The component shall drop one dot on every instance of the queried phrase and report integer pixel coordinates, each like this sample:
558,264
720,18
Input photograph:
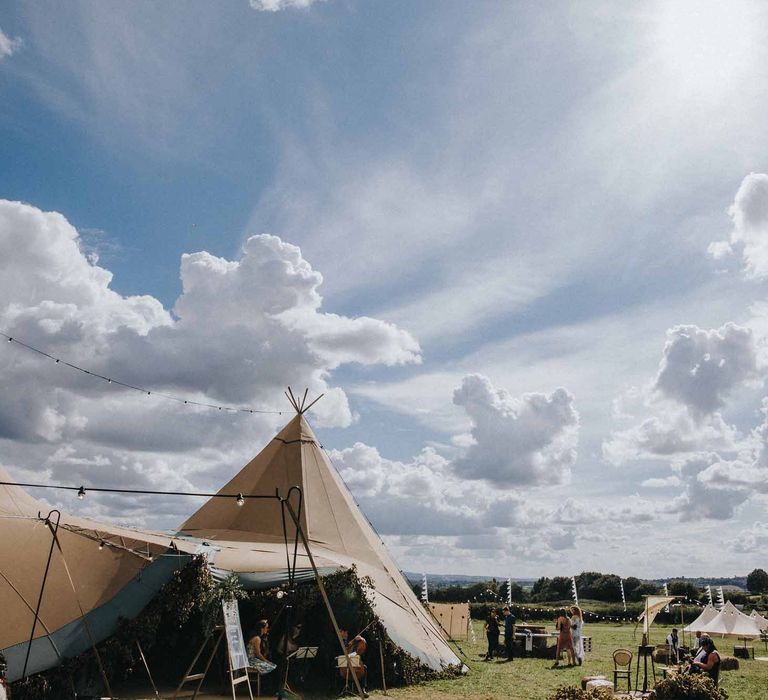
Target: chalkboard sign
235,641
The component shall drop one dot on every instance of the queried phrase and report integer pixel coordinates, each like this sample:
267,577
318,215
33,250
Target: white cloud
422,496
703,497
749,238
277,5
672,432
699,368
753,540
698,371
517,441
8,46
656,483
241,331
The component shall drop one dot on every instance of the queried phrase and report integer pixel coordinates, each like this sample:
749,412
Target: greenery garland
188,607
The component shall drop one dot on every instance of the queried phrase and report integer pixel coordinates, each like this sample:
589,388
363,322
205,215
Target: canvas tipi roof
89,588
731,622
251,541
85,584
708,614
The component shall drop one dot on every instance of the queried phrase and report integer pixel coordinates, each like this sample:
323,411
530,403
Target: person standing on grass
577,623
509,632
673,642
564,638
492,634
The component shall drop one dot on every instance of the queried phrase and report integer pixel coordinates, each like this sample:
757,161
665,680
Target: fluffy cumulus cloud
277,5
422,496
714,468
240,331
517,441
699,370
699,367
707,491
671,433
749,238
753,540
426,513
8,46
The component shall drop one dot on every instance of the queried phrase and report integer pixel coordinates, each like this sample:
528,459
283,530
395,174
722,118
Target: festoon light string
143,390
104,539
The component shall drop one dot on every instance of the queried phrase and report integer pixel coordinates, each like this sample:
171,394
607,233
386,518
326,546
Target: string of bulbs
81,492
142,390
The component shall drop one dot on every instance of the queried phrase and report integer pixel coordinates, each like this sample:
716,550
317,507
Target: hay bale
729,663
586,680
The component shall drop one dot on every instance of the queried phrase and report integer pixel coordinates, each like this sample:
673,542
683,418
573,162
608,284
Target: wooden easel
234,680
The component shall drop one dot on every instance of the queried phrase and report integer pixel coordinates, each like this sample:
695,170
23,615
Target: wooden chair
622,668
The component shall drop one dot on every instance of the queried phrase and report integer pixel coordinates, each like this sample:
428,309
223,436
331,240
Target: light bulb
240,500
80,493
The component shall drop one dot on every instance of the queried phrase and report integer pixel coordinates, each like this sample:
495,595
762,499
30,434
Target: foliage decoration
187,608
572,692
695,686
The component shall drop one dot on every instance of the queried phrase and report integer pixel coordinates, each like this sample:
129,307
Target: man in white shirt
673,642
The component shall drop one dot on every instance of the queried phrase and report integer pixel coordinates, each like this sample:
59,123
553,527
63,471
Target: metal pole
381,659
324,595
146,667
53,529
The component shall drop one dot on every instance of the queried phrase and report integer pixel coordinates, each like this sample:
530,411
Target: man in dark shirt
509,632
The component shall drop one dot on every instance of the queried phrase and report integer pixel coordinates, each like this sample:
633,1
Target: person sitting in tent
356,647
290,642
258,649
710,660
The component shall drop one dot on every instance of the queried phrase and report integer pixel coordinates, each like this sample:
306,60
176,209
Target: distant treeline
591,585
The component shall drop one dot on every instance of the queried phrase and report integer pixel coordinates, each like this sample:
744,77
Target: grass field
533,679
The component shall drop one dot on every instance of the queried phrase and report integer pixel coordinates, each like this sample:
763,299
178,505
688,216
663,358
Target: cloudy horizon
522,252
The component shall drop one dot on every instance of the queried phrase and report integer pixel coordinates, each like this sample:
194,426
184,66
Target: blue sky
541,232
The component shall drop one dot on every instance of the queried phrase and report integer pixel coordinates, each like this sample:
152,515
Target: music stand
301,654
304,653
355,661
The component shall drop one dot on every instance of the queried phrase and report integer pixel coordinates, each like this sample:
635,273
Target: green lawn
534,679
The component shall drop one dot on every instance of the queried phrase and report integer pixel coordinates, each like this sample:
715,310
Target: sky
522,249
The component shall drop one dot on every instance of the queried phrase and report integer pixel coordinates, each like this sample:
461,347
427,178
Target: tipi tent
250,540
706,616
762,623
98,573
731,622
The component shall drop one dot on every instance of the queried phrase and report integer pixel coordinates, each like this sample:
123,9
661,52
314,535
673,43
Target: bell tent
762,622
706,616
731,622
